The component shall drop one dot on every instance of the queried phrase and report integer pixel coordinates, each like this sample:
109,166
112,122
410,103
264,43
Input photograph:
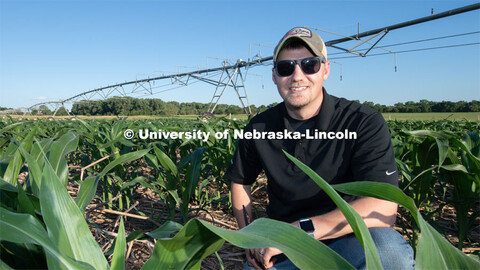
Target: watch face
307,225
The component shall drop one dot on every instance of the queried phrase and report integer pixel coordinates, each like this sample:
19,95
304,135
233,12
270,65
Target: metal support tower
233,81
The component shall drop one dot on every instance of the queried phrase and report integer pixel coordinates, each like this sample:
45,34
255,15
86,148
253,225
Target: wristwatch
306,224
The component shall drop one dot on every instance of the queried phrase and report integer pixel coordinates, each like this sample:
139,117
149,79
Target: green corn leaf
23,228
211,139
91,130
184,251
452,156
7,186
162,232
23,255
433,250
380,191
469,144
472,141
455,167
89,185
8,153
118,259
7,128
175,196
172,176
165,161
141,180
14,166
8,196
193,173
302,249
353,218
198,239
424,173
34,170
165,230
57,151
24,203
87,191
136,235
65,222
39,149
442,145
152,161
430,133
4,266
406,173
124,158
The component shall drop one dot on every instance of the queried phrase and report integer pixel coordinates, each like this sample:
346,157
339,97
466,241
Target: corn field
42,225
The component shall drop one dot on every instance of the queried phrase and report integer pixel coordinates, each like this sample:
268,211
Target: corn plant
442,159
463,173
442,154
198,239
105,138
40,212
58,234
178,182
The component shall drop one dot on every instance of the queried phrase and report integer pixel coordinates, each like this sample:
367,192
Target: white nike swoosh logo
390,173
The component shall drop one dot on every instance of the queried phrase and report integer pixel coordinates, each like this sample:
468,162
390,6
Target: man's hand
261,258
252,259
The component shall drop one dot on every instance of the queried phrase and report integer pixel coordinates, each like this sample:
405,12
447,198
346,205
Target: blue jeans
393,249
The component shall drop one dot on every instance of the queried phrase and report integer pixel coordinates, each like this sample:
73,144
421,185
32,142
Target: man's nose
298,73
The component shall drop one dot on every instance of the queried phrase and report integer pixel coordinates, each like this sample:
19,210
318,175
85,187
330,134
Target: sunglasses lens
310,65
285,67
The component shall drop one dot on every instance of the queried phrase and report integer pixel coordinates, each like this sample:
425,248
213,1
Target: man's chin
296,104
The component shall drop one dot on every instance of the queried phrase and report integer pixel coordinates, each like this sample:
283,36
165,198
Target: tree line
428,106
136,106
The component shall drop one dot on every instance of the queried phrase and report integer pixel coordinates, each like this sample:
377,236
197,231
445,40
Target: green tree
171,108
44,110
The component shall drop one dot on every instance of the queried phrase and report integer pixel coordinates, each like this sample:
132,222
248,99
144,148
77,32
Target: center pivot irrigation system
230,74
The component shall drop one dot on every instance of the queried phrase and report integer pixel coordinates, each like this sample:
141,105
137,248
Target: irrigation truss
233,74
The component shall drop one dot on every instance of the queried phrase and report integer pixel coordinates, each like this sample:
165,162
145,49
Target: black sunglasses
309,65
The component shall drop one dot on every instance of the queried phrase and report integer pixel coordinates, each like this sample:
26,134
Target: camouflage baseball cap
312,39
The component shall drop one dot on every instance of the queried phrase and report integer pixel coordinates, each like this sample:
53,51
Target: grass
460,116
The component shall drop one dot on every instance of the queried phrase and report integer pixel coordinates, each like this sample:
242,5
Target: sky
53,50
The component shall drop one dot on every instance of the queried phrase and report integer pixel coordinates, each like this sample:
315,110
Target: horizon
257,106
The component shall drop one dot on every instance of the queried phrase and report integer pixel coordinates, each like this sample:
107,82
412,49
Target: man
300,68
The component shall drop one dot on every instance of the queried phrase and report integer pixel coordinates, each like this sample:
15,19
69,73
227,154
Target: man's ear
326,70
274,79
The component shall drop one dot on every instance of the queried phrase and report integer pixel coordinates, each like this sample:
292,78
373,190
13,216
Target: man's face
301,92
